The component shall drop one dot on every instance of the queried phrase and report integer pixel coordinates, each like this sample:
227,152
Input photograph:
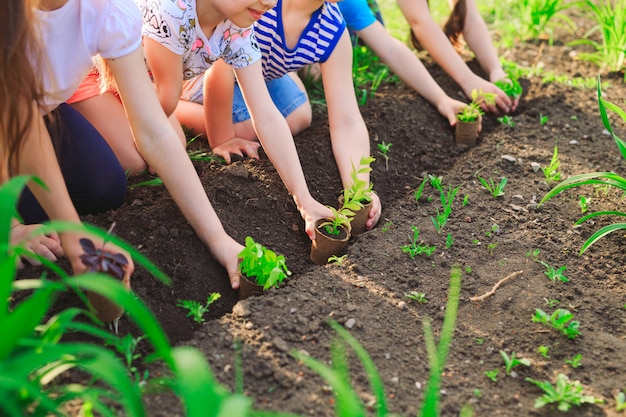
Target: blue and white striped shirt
317,42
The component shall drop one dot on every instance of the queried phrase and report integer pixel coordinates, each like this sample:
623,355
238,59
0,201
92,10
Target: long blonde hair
20,80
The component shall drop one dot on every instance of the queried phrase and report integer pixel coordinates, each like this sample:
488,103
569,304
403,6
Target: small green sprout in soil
620,401
197,310
506,120
495,189
543,119
478,393
511,362
553,273
575,361
560,320
491,247
551,172
492,375
449,241
419,297
564,393
386,226
435,181
583,203
552,302
337,259
383,149
495,229
155,182
479,340
417,248
476,241
465,200
574,118
534,255
543,351
420,189
468,270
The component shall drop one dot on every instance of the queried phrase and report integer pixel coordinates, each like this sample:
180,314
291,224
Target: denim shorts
285,93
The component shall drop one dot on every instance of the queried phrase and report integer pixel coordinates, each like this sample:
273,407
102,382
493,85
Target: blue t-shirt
357,14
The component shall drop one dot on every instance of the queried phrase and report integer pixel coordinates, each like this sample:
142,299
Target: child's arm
38,158
403,62
159,145
218,87
167,73
275,136
434,40
348,132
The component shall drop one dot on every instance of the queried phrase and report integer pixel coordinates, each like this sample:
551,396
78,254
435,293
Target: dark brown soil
368,290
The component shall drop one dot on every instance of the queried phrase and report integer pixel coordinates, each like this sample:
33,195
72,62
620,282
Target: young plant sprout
560,320
551,172
511,362
465,200
564,393
472,111
449,241
419,297
543,119
506,120
552,303
510,86
534,255
197,310
620,401
583,203
337,259
100,260
358,194
492,375
496,190
553,274
262,265
340,219
383,149
417,248
491,247
543,351
420,189
575,361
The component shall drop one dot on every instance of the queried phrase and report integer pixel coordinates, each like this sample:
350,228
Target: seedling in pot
575,361
492,375
340,219
553,274
262,265
419,297
564,393
495,189
510,86
359,191
551,172
197,310
100,260
560,320
472,111
383,149
511,362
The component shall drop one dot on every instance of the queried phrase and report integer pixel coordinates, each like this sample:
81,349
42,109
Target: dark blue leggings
93,175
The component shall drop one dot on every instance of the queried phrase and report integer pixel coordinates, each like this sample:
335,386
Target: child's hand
237,146
375,212
311,211
227,254
503,102
449,108
47,246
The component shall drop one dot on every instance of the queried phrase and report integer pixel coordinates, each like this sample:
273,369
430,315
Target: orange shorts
90,87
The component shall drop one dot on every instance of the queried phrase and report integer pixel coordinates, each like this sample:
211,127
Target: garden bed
367,291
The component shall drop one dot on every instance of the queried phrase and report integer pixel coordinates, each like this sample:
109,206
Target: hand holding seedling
48,246
311,211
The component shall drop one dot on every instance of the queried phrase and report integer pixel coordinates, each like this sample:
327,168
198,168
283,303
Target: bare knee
300,119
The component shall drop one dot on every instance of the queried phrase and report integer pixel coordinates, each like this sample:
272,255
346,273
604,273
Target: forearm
477,36
350,143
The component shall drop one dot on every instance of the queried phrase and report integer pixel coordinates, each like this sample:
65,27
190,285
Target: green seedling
340,219
495,229
506,120
262,265
465,200
383,149
197,310
417,248
468,270
575,361
479,340
449,241
359,192
583,203
420,189
472,111
476,242
478,393
553,274
511,362
552,303
534,255
551,172
420,297
491,247
386,226
510,86
496,190
620,401
543,119
560,320
564,393
337,259
155,182
435,181
543,351
492,375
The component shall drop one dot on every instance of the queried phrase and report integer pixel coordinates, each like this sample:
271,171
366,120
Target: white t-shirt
77,32
174,24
